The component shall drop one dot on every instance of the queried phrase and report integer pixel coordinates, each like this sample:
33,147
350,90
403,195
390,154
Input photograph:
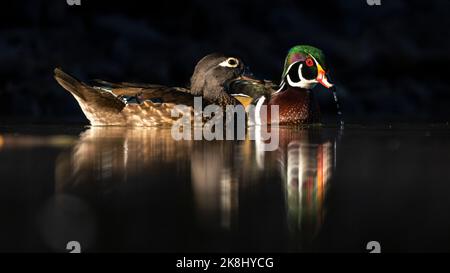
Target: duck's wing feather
126,84
254,88
126,88
152,92
249,90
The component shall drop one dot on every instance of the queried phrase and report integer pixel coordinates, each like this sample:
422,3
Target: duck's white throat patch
303,83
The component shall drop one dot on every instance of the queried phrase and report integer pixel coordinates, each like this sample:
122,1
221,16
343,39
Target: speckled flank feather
144,114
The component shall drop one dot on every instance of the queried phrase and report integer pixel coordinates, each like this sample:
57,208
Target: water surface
133,189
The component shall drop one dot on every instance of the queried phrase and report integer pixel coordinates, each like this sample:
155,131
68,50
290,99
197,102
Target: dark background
389,61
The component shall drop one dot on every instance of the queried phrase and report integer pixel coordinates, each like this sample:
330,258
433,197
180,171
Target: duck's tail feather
96,103
70,83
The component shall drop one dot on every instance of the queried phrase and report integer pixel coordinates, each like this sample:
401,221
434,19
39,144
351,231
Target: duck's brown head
214,74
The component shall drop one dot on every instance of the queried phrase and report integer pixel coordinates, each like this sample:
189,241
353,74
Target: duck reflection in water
305,161
109,156
106,158
223,175
307,166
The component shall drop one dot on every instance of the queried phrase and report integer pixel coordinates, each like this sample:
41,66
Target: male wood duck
130,104
304,67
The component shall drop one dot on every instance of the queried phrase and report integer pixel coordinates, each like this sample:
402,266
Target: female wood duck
130,104
304,67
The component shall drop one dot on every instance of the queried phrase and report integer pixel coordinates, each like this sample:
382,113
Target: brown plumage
296,106
106,104
104,107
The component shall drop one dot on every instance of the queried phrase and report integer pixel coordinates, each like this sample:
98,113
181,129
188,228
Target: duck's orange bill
322,78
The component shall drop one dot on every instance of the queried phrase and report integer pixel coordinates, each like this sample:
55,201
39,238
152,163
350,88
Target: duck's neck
286,87
296,105
215,94
297,94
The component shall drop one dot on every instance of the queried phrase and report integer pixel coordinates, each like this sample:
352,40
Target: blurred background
389,61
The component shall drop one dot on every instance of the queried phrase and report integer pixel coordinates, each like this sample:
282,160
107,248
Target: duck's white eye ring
230,62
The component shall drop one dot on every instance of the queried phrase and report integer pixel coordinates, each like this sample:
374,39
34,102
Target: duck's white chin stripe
303,83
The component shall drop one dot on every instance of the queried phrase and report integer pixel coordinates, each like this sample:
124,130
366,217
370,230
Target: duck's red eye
309,62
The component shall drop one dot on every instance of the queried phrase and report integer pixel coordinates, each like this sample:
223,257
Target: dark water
322,190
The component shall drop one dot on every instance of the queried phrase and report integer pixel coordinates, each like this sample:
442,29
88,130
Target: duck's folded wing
149,92
126,88
164,94
248,90
126,84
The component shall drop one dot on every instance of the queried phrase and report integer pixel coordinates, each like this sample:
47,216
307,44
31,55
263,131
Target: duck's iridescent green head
304,67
